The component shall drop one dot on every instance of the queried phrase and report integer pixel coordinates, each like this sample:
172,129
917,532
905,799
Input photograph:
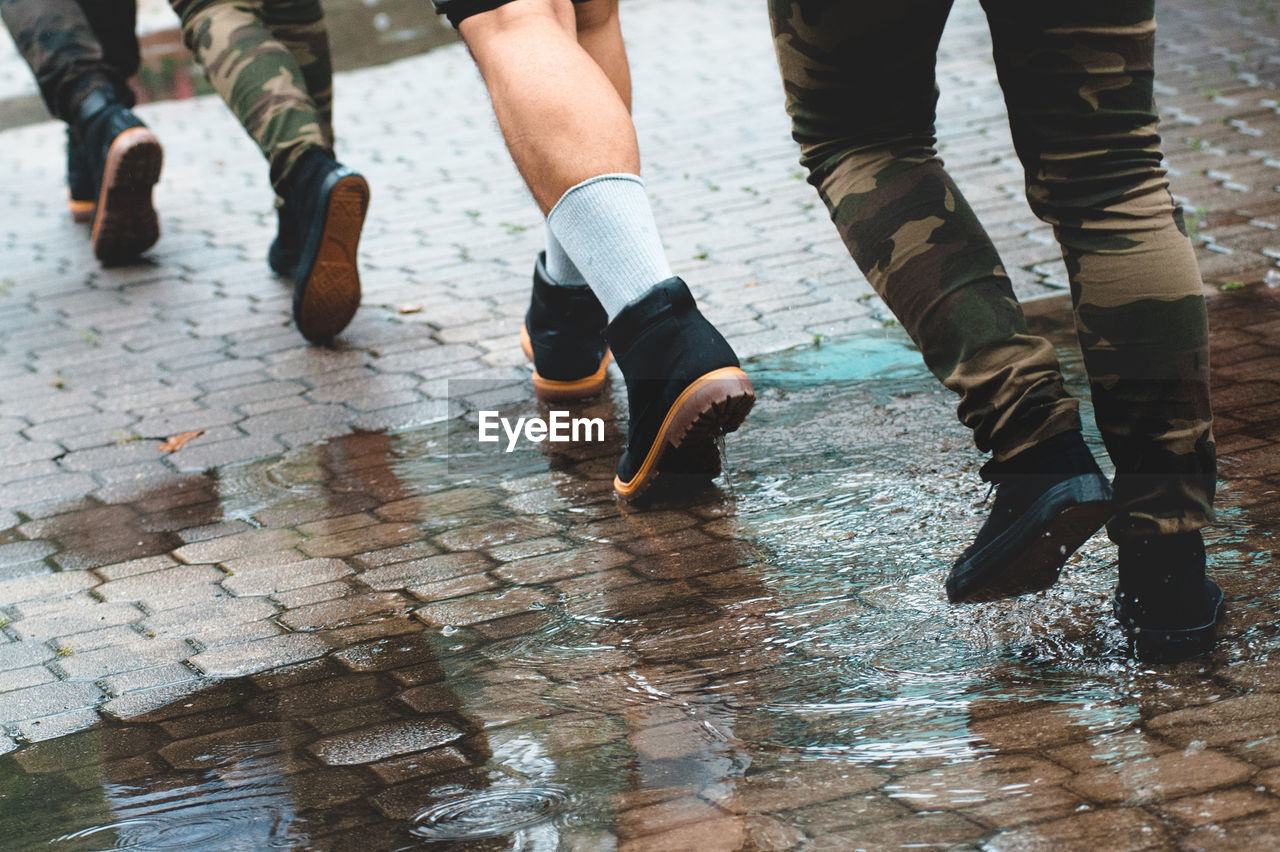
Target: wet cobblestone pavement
331,622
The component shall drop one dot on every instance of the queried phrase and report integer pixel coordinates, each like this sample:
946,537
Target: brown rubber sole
555,390
712,405
125,223
1038,566
331,293
81,211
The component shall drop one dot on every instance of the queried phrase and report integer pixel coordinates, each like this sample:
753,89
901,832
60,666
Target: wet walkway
331,622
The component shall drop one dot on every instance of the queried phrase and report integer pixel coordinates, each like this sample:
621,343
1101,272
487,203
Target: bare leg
563,119
600,34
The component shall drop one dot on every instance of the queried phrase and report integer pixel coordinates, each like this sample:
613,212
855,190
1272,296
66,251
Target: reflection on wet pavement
361,645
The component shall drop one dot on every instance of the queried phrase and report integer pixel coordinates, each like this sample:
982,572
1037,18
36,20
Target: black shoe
1165,604
122,158
685,388
328,203
282,257
80,194
1049,500
563,335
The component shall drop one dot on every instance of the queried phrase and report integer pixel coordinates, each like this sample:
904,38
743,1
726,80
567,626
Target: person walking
558,79
82,55
269,60
1077,80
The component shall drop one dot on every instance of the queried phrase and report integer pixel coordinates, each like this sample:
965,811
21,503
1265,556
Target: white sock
560,268
606,226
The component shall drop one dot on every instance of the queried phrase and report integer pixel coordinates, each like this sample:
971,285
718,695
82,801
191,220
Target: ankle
1058,456
301,171
1162,578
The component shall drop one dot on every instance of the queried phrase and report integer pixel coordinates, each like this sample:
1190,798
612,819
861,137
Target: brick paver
331,583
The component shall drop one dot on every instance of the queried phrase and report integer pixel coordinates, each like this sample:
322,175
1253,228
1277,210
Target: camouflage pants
75,47
1077,79
269,60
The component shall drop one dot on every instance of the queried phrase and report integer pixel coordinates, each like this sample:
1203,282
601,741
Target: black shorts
458,10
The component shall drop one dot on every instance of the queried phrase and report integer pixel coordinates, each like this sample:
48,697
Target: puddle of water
764,660
491,813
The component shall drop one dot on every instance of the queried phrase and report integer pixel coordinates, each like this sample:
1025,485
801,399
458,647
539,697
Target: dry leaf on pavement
177,442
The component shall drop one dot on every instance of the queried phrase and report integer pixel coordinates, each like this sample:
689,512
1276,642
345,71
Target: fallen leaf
410,309
177,442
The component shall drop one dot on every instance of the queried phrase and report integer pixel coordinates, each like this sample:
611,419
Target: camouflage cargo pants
269,60
75,47
1077,79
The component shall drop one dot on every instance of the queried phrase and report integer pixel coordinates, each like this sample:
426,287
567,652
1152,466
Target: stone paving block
400,575
216,635
122,570
31,470
1220,806
380,742
198,457
260,655
353,609
1087,755
50,727
1126,828
46,585
18,655
50,699
330,526
24,551
1219,722
15,679
355,541
72,620
557,566
178,583
387,654
940,830
189,621
497,533
392,555
53,604
237,546
46,489
428,506
93,665
837,815
783,790
454,588
312,594
1016,777
483,607
304,572
682,819
319,698
434,762
19,570
529,548
166,674
200,751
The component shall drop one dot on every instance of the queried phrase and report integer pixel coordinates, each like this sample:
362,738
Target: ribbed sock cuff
560,268
606,227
